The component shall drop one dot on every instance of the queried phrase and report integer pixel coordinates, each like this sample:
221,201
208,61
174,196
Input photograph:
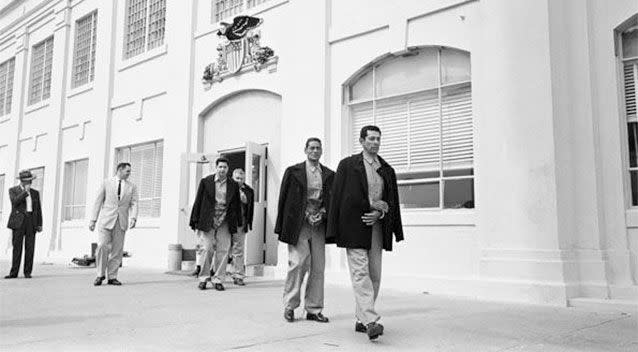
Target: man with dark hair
364,214
25,221
303,204
216,215
115,203
247,197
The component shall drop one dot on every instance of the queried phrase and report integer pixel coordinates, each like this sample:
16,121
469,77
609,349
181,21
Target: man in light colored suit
115,203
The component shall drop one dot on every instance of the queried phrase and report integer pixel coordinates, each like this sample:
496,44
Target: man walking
364,215
247,198
25,220
116,202
303,205
216,216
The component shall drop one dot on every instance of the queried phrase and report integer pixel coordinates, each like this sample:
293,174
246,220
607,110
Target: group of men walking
357,208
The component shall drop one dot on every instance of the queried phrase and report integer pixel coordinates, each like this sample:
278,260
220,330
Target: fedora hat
26,175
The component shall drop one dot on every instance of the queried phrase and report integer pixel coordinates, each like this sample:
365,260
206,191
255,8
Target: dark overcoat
18,198
249,207
350,201
204,207
293,196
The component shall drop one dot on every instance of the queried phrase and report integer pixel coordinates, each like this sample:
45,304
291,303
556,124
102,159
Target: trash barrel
174,257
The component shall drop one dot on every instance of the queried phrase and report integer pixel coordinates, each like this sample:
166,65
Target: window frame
147,26
3,182
439,88
41,99
244,5
67,203
92,51
7,85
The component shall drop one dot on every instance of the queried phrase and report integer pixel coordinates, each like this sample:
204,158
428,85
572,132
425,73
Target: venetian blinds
629,39
146,173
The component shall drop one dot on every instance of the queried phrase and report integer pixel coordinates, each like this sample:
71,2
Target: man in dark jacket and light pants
303,204
25,220
364,213
216,215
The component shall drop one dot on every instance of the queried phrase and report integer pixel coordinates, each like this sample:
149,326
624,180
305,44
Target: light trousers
215,245
110,248
309,254
365,273
237,252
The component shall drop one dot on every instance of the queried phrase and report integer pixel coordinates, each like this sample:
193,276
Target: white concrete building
512,126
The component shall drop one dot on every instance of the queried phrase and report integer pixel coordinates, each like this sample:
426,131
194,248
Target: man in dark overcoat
25,221
303,205
364,215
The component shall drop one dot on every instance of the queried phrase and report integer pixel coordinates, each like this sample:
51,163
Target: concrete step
605,305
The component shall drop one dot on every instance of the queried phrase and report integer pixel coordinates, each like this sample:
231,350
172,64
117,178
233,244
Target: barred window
145,23
226,8
84,50
146,173
41,62
6,86
422,102
74,197
629,58
253,3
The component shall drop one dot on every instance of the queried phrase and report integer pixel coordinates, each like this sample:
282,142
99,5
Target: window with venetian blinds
146,173
629,39
74,196
422,102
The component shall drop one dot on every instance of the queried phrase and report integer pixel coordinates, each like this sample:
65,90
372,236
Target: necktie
119,189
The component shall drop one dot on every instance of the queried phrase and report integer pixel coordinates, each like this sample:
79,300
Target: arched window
629,58
422,101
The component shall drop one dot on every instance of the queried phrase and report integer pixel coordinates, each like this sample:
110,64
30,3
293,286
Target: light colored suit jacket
110,209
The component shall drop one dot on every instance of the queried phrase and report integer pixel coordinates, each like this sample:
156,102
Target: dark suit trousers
25,234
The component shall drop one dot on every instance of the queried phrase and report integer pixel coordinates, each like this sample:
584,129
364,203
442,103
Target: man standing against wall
364,213
303,204
116,202
25,220
216,215
247,197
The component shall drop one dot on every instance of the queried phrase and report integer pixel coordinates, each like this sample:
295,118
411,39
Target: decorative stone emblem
239,51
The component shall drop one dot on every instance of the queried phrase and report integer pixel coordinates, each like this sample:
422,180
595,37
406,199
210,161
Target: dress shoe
219,287
11,276
27,276
195,273
114,282
289,315
374,330
317,317
239,282
98,280
359,327
202,285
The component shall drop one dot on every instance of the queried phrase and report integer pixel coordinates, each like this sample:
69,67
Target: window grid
135,27
453,120
84,50
157,21
146,173
6,86
253,3
41,62
74,201
226,8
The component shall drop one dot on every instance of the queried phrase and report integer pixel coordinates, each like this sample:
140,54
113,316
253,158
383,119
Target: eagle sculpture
238,29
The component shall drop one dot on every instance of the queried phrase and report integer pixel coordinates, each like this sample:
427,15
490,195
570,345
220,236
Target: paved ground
60,310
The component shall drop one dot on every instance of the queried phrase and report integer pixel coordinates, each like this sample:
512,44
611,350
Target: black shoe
359,327
114,282
239,282
289,315
219,287
195,273
202,285
11,277
374,330
317,317
27,276
98,280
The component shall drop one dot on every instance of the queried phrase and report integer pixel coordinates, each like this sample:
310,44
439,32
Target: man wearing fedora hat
25,220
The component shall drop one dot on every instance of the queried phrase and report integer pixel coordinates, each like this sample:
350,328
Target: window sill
5,118
125,64
436,217
79,90
36,106
631,218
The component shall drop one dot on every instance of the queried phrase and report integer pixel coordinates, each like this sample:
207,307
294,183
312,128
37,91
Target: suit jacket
202,215
293,198
350,201
248,208
18,199
109,209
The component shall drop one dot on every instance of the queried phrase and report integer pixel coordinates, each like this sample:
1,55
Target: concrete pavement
60,310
